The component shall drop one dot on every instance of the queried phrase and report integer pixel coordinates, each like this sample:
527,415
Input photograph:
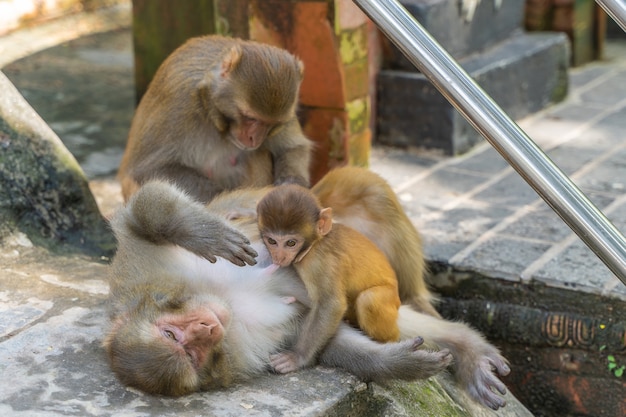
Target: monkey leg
477,363
377,313
355,352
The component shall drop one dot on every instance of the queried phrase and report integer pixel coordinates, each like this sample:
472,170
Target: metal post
504,135
616,9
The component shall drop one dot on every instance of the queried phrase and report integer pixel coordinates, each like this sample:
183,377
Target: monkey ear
325,223
231,60
300,67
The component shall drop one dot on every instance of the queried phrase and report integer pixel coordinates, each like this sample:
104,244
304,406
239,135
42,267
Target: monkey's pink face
249,133
283,248
193,333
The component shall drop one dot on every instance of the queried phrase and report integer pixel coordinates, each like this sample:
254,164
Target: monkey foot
411,362
417,342
485,384
284,362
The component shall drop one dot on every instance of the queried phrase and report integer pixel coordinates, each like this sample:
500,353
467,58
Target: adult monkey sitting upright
220,114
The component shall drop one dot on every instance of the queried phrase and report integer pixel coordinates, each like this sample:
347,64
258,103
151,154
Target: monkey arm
352,350
319,325
291,154
161,214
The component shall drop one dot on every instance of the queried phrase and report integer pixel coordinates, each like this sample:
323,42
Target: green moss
353,45
423,398
358,114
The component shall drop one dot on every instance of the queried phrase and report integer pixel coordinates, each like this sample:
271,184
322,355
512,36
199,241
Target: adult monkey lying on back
181,324
219,114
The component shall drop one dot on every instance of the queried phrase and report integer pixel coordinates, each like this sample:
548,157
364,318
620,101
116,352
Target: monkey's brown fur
219,115
345,274
351,190
166,241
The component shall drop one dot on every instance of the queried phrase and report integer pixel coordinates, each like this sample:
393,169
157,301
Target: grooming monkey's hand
161,213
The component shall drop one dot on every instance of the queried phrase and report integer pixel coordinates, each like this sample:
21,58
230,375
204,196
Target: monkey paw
411,362
226,242
484,382
285,362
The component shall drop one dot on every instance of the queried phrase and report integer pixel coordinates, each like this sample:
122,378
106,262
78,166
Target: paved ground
474,212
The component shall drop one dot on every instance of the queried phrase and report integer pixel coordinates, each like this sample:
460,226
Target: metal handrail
565,198
615,9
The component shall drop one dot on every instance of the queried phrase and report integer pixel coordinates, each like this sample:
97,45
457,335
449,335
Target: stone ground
475,214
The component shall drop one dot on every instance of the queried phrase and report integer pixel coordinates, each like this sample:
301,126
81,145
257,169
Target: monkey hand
292,179
161,213
285,362
483,382
224,241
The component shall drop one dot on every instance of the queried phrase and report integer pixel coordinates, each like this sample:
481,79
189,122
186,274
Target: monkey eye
271,241
170,335
227,120
291,243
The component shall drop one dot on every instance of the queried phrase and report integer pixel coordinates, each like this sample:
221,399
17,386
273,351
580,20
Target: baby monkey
346,276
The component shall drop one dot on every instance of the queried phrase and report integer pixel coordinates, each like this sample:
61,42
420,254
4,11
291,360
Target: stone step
523,74
461,37
557,340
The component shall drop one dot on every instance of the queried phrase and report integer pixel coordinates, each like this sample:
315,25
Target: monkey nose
209,327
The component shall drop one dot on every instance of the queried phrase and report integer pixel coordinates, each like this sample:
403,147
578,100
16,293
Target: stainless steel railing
505,136
616,9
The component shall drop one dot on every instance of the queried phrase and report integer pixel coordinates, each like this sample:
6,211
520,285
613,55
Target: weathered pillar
160,26
331,38
583,21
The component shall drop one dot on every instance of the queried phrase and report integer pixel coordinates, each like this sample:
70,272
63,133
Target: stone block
460,37
44,195
508,256
558,341
523,74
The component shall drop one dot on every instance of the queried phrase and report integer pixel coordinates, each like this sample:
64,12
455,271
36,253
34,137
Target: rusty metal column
616,9
505,136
